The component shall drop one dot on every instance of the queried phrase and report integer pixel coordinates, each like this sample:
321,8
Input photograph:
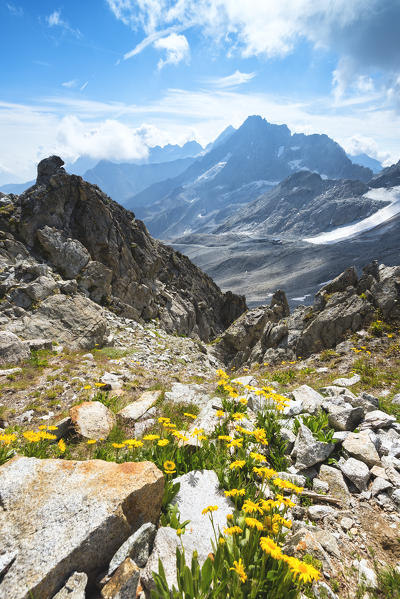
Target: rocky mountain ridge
66,226
253,159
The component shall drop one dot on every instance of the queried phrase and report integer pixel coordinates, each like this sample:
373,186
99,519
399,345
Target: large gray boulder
198,489
357,472
61,516
75,321
361,447
12,349
308,451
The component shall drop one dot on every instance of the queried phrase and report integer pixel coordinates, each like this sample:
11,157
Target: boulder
357,472
337,486
379,485
377,419
79,514
366,575
198,489
181,393
92,420
135,410
347,382
137,547
319,512
74,321
308,451
124,582
360,446
312,400
344,417
74,588
12,349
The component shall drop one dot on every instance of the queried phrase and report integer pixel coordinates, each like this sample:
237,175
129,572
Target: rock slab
92,420
80,513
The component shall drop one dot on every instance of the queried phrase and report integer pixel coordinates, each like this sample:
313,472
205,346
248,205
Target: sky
110,78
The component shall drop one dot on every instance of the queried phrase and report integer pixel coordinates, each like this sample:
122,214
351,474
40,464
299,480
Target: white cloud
362,33
16,11
72,126
176,47
55,20
108,139
360,144
237,78
70,84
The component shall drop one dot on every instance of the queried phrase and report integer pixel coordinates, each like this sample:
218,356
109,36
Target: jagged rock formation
345,305
64,237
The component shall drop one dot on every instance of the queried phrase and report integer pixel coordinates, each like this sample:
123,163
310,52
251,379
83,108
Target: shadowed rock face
85,236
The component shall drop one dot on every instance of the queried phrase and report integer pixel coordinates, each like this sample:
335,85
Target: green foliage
113,403
272,423
284,377
378,328
318,425
38,358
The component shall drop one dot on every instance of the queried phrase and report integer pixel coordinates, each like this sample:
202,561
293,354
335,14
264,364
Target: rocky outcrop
69,231
343,306
61,516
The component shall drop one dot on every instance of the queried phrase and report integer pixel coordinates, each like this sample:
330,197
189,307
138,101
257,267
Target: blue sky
109,78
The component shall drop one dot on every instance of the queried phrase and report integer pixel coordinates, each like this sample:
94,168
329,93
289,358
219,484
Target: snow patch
280,151
301,299
212,172
294,164
380,216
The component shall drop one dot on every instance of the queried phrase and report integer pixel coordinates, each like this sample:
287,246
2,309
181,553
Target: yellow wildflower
151,437
235,492
225,438
233,530
243,401
118,445
188,415
239,569
100,384
237,464
91,441
220,413
270,547
61,445
42,427
238,415
163,442
258,456
235,443
250,507
163,419
221,540
264,472
180,531
87,387
52,428
133,443
254,523
229,517
210,508
304,572
169,467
